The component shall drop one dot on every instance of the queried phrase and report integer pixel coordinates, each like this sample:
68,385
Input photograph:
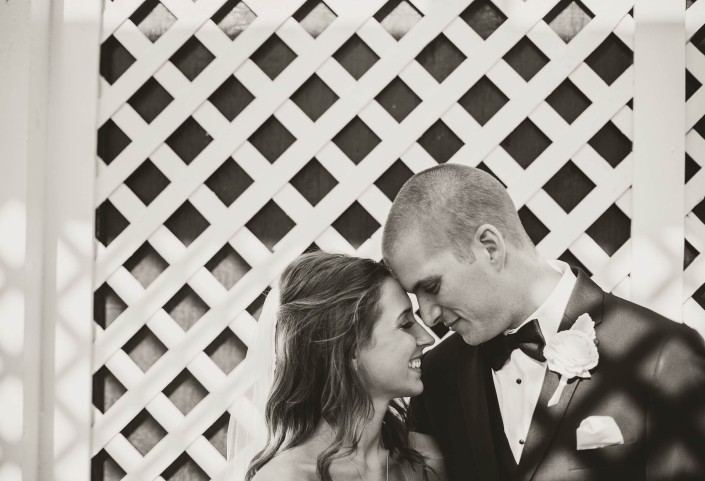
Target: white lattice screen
235,135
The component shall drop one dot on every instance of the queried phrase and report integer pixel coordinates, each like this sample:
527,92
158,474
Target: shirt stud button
518,381
521,441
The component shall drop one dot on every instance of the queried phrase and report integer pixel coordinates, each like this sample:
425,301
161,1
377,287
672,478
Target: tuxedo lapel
473,398
587,297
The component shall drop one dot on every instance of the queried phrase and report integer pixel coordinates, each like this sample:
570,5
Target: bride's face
391,360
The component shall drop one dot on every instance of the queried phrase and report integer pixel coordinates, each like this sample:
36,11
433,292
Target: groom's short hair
452,200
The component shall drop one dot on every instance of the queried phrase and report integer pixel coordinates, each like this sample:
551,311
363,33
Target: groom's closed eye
433,287
430,285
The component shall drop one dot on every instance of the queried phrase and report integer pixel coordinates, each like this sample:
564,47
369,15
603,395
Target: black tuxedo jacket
650,379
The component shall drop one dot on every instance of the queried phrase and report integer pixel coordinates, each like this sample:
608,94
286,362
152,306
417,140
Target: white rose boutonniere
572,353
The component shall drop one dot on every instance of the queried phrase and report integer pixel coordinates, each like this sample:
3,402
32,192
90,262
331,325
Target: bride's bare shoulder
287,465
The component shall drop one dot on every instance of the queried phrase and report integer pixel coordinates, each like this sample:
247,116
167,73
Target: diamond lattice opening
107,306
526,59
314,97
109,223
111,141
104,468
273,56
270,224
144,432
227,351
217,434
185,392
440,141
153,19
227,266
186,308
106,389
485,168
229,181
231,98
483,17
189,140
526,143
255,308
611,230
272,139
144,348
691,167
483,100
692,84
186,223
146,264
398,99
610,59
356,140
192,58
393,179
440,58
699,211
568,100
611,144
147,182
532,225
184,469
355,57
699,296
150,99
233,18
398,17
314,16
689,254
569,258
314,182
356,225
568,18
114,60
569,186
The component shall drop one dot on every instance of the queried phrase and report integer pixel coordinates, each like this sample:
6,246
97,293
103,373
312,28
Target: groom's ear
491,244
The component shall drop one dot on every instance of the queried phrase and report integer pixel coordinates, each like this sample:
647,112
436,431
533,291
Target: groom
454,239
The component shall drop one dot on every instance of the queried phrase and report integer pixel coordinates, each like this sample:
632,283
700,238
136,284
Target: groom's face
464,294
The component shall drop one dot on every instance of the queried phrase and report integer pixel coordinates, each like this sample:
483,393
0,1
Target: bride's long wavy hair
329,305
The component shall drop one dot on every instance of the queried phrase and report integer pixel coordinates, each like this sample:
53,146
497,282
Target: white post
70,192
48,92
14,55
659,156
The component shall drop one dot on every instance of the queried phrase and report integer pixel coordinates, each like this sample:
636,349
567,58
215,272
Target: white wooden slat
659,167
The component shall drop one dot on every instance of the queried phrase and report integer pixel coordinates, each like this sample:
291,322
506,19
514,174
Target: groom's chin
471,340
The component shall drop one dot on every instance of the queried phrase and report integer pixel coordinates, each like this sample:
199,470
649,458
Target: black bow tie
528,338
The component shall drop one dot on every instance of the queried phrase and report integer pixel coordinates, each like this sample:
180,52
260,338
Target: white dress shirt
518,383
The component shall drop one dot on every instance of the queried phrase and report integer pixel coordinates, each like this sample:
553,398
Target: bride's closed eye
408,321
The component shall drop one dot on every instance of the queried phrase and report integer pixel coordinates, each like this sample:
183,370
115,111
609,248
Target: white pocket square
598,432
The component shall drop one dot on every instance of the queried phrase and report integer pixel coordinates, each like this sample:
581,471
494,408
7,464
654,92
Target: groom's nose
431,313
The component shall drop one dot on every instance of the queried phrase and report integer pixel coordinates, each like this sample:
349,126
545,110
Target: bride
348,349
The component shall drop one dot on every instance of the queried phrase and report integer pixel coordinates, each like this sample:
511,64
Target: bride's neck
370,445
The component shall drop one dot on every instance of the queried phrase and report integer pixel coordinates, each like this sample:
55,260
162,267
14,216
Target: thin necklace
359,473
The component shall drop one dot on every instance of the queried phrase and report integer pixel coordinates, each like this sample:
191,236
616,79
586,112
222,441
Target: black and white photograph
352,240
